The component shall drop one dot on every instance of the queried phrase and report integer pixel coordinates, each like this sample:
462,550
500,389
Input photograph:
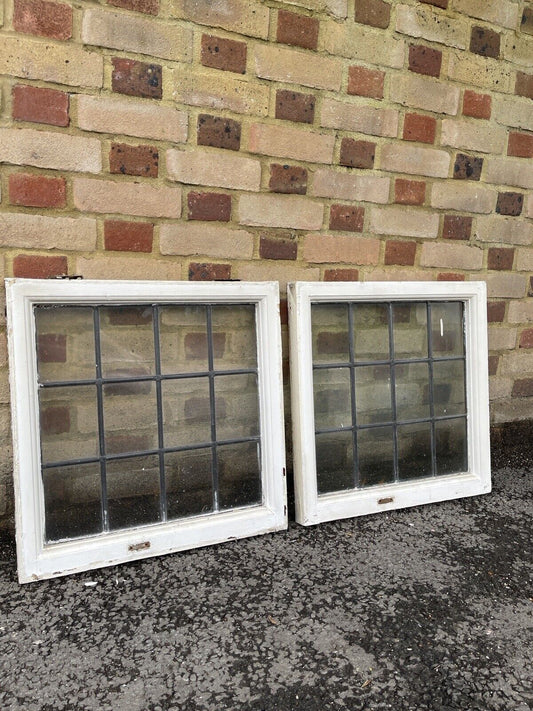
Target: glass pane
334,462
447,334
183,339
332,398
187,411
452,456
126,341
189,483
234,337
329,327
375,452
65,343
373,394
239,475
371,331
72,501
69,423
130,417
414,451
449,387
133,491
410,330
412,388
237,406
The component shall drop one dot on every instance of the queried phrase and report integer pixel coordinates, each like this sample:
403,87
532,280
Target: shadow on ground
428,608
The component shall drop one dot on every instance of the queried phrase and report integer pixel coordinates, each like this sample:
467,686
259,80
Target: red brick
372,12
400,253
366,82
212,207
477,105
493,364
52,348
297,30
270,248
341,275
31,267
332,342
218,132
37,191
467,167
409,192
40,105
55,420
346,218
357,154
134,160
116,443
524,85
457,227
417,127
141,387
196,345
425,60
500,258
510,204
292,106
209,272
526,338
148,7
220,53
197,409
43,18
450,276
485,42
123,236
522,388
130,316
437,3
495,311
137,78
287,179
520,145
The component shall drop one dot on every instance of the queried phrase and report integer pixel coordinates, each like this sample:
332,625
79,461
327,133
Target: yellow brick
241,16
43,232
524,260
529,206
471,135
338,8
290,211
47,149
360,118
288,142
520,312
503,411
509,230
296,67
519,50
206,239
265,270
348,185
220,91
507,286
480,71
405,222
499,12
513,111
402,158
499,387
458,195
126,198
517,364
509,171
118,267
362,43
424,22
450,256
392,274
425,93
501,338
339,249
222,170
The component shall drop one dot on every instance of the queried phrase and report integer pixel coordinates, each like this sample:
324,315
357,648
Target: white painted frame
312,508
37,560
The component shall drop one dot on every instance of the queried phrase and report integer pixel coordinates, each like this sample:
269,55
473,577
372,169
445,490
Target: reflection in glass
186,411
237,406
373,394
130,417
449,387
371,331
133,491
410,330
188,483
234,336
447,334
239,474
332,397
127,341
183,339
412,396
65,343
72,501
414,451
375,452
331,343
451,444
334,461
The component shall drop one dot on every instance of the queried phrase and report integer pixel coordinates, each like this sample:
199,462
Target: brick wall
307,139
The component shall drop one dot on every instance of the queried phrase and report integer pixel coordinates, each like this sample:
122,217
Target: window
389,385
147,419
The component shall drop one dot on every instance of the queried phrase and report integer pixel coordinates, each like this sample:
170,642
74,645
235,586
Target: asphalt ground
429,608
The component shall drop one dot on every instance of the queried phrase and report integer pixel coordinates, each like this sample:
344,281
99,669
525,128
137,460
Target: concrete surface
421,609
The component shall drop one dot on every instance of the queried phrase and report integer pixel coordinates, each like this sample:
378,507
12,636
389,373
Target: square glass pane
330,336
451,443
130,417
375,452
449,387
133,491
410,330
373,394
69,423
234,336
332,397
237,406
186,411
334,462
72,501
189,483
183,339
414,451
239,475
412,391
447,331
65,343
371,331
127,341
